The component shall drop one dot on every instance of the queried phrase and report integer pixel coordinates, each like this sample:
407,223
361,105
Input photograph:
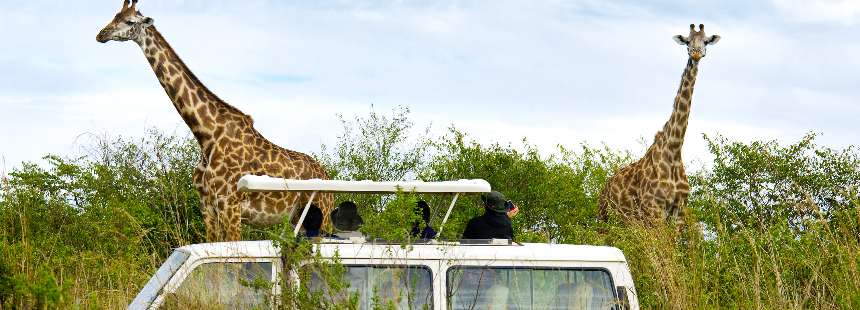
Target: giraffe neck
676,127
196,104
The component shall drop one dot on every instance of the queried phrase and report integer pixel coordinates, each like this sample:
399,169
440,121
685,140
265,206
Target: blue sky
554,72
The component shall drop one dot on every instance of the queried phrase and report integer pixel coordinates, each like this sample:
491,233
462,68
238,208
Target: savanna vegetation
778,225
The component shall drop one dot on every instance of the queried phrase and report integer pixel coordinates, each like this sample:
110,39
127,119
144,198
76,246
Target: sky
553,72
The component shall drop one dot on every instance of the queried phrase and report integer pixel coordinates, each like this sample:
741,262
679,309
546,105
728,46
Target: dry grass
748,269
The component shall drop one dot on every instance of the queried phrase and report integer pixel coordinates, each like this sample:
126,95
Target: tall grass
777,226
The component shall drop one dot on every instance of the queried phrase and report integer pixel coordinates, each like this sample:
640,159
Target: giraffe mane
194,79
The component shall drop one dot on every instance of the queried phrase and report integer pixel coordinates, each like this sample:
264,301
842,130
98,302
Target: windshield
164,273
375,286
529,288
227,285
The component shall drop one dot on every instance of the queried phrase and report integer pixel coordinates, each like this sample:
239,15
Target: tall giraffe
230,146
654,189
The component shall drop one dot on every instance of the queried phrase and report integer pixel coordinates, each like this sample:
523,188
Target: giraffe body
654,189
230,146
650,191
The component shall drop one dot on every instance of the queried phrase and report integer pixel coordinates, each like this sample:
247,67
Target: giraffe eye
130,23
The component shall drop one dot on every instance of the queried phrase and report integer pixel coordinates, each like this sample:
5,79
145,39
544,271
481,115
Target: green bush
90,231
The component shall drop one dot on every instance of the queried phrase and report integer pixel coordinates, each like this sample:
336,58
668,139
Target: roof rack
257,183
470,242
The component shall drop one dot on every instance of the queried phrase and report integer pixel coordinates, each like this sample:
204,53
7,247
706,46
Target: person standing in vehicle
346,220
427,233
494,223
313,222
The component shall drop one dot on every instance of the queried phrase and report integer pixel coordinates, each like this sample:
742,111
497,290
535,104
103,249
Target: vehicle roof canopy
257,183
262,183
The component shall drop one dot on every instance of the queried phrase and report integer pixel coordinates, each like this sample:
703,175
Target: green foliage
542,185
97,225
780,223
298,258
376,147
41,290
399,208
762,183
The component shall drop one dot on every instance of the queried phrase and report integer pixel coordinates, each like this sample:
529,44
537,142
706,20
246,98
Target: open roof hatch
256,183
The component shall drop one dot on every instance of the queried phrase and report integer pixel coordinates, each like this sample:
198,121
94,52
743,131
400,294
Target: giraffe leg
603,204
231,219
210,219
208,205
326,204
682,213
654,212
611,202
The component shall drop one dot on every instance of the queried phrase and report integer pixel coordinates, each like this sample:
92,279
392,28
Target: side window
375,286
223,284
529,288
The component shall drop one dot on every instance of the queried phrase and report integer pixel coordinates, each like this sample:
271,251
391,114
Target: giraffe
230,146
654,189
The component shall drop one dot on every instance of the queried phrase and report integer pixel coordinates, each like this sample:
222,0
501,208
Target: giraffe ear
680,39
712,40
147,22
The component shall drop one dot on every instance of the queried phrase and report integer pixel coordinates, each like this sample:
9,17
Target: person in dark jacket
313,222
428,232
346,220
494,223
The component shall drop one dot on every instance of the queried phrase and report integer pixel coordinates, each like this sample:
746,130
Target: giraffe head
697,41
128,24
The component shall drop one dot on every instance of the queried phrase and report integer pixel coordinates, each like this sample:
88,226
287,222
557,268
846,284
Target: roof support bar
304,213
444,220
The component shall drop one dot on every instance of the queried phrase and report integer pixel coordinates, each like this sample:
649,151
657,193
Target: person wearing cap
494,223
346,220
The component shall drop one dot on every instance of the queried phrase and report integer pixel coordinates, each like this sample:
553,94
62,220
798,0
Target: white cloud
844,12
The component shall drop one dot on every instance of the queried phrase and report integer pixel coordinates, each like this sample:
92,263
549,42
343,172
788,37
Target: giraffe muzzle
103,36
696,55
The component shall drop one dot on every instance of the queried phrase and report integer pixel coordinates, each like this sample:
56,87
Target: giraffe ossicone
230,146
654,189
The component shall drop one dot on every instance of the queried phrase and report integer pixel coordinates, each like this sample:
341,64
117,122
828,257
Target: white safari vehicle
465,274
